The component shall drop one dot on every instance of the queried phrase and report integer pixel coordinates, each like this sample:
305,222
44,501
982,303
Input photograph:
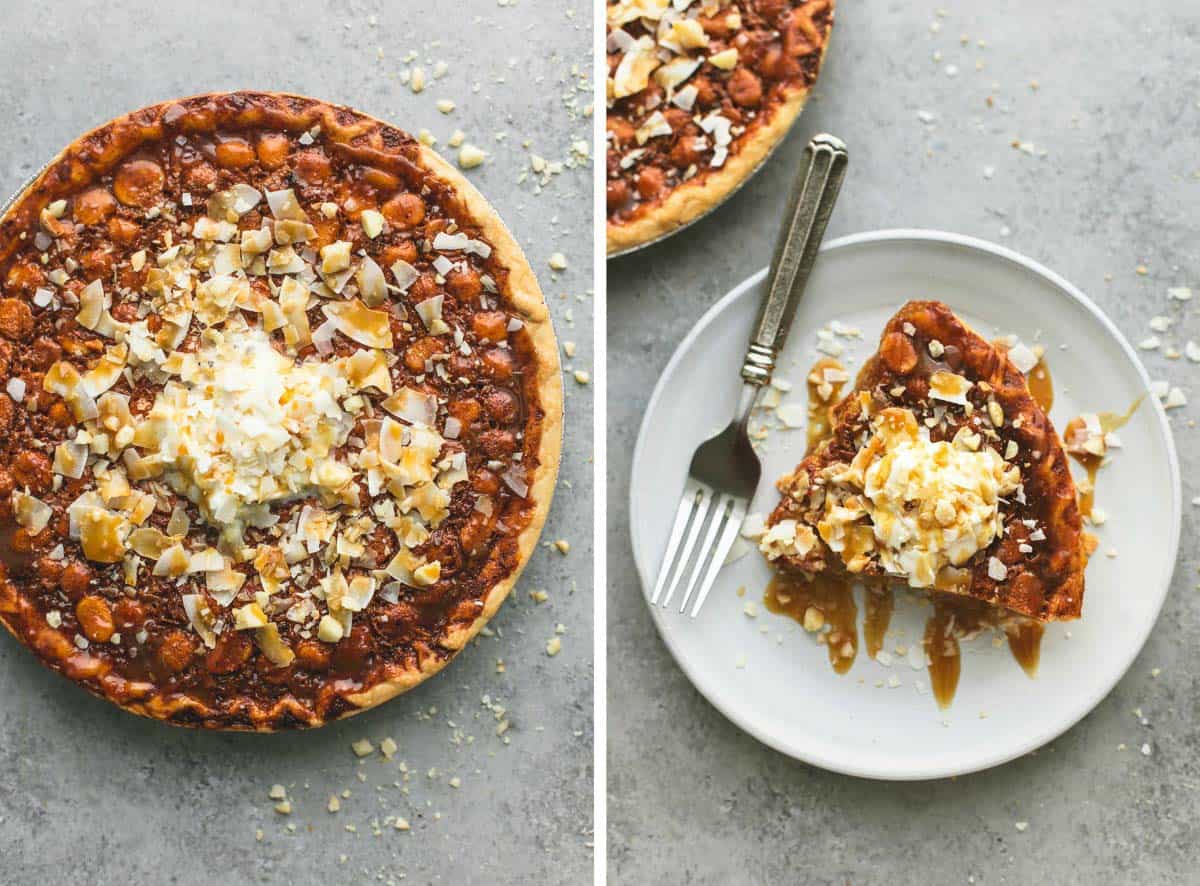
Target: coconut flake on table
828,345
1179,293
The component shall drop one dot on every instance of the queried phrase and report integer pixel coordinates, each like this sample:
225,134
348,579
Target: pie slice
942,472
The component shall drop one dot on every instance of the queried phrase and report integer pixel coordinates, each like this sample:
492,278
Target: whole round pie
281,412
699,92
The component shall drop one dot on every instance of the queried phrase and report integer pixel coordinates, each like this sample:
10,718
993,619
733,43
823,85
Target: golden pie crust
329,153
690,199
1043,582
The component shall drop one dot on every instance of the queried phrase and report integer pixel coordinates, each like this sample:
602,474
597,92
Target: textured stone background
694,800
89,790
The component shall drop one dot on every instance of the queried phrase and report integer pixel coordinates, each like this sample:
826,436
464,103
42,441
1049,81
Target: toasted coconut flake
102,535
224,584
173,562
391,441
454,242
93,302
401,566
245,197
249,617
335,257
323,336
633,72
31,513
676,71
272,568
372,285
208,560
179,523
427,574
413,406
430,312
372,223
289,231
285,260
70,459
256,242
406,275
293,301
948,387
149,542
368,368
106,371
200,617
206,228
329,629
358,593
283,204
361,324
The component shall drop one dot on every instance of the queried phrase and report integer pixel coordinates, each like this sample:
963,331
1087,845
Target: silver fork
725,469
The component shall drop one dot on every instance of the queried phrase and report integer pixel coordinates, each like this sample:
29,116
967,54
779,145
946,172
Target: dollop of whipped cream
915,505
243,425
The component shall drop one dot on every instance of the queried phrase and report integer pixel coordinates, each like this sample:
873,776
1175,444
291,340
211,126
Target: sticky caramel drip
880,603
820,428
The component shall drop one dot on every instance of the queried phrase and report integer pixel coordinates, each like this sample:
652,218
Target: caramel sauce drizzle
1041,386
826,600
814,603
1091,463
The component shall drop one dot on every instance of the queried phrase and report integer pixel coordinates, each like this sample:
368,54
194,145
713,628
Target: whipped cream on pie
915,505
246,424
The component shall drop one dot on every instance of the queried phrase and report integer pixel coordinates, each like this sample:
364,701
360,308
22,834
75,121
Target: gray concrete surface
691,798
89,792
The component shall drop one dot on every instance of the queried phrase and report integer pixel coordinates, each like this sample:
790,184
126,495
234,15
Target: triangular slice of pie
941,472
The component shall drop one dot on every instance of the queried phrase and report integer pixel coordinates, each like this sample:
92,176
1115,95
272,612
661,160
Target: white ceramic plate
770,677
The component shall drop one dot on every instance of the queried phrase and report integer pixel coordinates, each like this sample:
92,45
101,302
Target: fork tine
706,549
686,503
736,515
703,497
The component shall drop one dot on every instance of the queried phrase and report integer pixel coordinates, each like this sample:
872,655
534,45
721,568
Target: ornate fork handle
811,203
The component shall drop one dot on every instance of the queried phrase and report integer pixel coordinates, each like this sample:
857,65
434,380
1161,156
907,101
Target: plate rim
924,236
